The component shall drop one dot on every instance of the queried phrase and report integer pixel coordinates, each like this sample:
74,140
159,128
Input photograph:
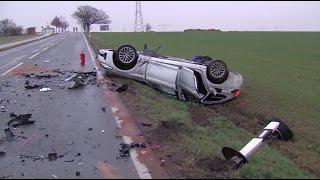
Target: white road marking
142,169
34,55
13,61
5,73
91,54
45,48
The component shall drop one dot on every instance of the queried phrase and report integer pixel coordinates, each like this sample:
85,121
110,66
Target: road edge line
141,169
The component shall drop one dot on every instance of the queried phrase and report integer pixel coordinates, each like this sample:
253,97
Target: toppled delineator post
276,129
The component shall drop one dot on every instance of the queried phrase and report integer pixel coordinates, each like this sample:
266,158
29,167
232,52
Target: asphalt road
69,122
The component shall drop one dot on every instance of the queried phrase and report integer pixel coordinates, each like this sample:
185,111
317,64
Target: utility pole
138,22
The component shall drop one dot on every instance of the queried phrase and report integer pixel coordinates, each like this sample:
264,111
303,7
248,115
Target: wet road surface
69,122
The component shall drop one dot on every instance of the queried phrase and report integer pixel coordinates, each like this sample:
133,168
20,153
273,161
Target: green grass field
282,78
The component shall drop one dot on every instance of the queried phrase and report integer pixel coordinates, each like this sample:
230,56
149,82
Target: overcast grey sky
177,15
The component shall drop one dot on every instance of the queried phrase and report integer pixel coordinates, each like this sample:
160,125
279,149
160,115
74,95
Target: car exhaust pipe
276,129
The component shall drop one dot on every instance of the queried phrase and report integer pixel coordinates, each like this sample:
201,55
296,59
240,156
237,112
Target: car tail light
236,92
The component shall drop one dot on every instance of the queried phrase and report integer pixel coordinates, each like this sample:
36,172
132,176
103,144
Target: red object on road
82,58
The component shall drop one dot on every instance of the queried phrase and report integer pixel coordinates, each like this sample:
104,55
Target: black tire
125,57
217,71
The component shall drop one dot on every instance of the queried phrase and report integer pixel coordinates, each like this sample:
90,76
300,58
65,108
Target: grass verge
275,65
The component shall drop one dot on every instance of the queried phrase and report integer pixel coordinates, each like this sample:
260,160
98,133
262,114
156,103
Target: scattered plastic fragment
122,88
45,89
22,119
9,134
52,156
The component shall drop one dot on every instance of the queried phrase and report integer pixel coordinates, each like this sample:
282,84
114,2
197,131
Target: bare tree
64,24
148,27
87,15
56,22
9,28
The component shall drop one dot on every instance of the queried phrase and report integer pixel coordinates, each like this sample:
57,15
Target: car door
161,74
187,81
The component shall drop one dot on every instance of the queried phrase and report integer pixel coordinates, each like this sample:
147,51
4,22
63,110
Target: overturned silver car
202,79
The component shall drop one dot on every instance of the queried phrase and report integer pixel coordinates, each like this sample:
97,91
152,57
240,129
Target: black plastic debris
9,134
28,86
124,149
46,76
77,173
13,115
103,108
40,76
22,119
139,145
122,88
146,124
52,156
90,129
2,152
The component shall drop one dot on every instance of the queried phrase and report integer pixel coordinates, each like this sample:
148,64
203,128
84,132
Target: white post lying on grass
276,128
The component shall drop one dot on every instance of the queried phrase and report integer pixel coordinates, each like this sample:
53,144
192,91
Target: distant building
31,31
99,28
48,30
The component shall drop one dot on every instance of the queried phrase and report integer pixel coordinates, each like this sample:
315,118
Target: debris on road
125,148
146,124
52,156
9,134
69,160
3,109
47,61
103,108
22,119
45,89
2,152
139,145
45,76
122,88
54,176
77,173
90,129
28,86
76,82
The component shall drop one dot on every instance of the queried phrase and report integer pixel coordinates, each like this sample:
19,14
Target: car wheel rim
217,70
126,55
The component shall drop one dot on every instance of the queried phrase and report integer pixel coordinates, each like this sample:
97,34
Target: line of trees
9,28
60,23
